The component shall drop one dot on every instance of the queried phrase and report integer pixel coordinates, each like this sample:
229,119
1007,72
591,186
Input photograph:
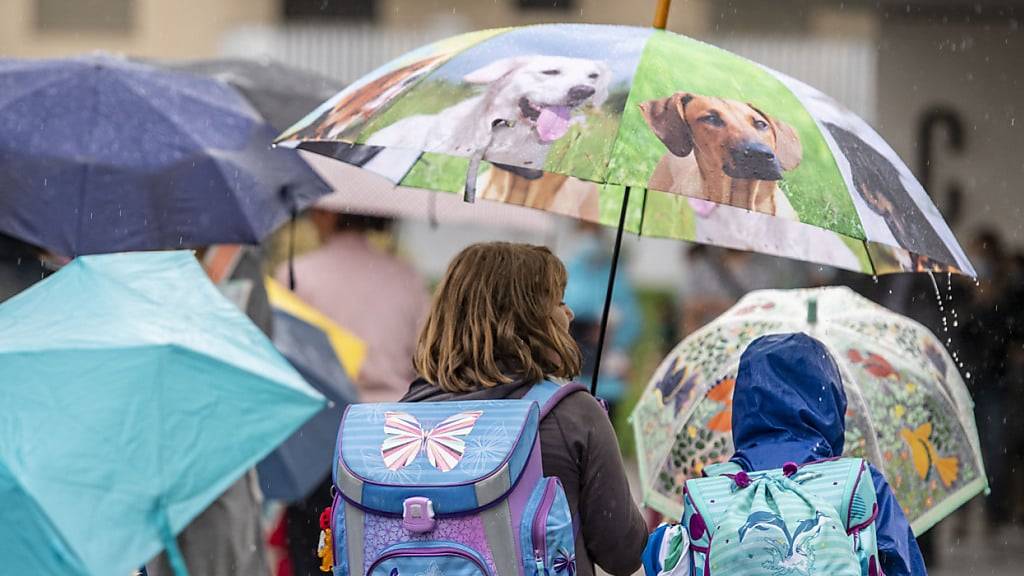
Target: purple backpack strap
548,394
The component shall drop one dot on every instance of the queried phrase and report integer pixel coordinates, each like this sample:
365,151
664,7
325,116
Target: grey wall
976,70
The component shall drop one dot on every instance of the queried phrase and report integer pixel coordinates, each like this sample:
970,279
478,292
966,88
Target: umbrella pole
291,249
661,14
608,295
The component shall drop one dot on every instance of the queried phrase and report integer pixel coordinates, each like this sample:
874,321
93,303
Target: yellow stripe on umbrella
351,350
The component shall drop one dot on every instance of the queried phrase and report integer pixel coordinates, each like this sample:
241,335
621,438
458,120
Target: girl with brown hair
496,327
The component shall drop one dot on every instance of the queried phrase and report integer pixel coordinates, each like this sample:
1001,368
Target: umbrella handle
291,248
661,14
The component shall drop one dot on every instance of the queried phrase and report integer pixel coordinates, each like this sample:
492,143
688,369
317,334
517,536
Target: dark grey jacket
578,446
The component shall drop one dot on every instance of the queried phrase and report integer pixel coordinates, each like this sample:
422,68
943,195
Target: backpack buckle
418,515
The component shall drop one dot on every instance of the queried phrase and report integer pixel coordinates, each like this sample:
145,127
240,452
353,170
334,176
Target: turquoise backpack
805,520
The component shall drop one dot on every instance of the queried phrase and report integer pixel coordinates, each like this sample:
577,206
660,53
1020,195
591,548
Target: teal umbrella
132,394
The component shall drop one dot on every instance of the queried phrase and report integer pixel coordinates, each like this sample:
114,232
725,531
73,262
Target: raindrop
968,375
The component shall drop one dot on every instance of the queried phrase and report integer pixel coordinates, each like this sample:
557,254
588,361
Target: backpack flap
731,503
448,458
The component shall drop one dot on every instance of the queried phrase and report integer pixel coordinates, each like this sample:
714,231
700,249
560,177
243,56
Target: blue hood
788,405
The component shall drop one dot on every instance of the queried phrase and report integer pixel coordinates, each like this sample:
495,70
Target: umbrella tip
812,311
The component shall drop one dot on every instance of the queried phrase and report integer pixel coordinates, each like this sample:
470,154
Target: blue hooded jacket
789,406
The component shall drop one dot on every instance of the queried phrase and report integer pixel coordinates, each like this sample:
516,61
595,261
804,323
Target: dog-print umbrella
712,147
133,394
357,191
642,129
103,154
908,410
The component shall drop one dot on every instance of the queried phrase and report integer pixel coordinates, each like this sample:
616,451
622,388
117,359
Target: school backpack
798,520
452,488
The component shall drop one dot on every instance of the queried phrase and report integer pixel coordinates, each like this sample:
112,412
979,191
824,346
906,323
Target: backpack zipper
427,552
540,523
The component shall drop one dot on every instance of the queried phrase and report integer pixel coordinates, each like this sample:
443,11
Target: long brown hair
491,320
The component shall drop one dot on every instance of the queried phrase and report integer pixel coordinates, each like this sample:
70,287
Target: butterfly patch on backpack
444,445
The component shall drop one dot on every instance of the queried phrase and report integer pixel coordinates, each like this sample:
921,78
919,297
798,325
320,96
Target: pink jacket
375,295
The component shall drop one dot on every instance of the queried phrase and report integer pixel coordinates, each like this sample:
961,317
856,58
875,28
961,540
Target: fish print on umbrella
925,456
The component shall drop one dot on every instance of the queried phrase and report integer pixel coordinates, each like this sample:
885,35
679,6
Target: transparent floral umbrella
909,412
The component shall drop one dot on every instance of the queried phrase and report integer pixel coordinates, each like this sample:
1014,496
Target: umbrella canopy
133,394
909,412
651,131
283,95
101,154
329,357
358,191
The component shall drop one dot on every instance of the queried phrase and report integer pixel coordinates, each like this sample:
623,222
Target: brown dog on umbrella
724,151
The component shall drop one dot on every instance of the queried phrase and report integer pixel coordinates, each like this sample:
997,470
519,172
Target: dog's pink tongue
553,122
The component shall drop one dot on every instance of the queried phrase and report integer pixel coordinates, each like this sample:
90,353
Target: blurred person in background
227,538
985,333
22,265
585,293
367,290
1015,385
383,300
716,278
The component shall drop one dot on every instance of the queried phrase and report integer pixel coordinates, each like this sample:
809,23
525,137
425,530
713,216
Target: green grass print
584,151
428,97
677,64
622,150
438,172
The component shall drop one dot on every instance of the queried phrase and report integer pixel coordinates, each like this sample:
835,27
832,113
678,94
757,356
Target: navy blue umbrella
102,154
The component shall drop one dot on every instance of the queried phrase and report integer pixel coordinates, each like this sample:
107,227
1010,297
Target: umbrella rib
254,235
86,167
34,502
182,130
871,261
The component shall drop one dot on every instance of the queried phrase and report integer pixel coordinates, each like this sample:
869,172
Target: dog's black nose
755,160
581,92
753,152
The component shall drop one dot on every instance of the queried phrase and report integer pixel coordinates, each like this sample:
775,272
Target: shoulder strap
548,394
